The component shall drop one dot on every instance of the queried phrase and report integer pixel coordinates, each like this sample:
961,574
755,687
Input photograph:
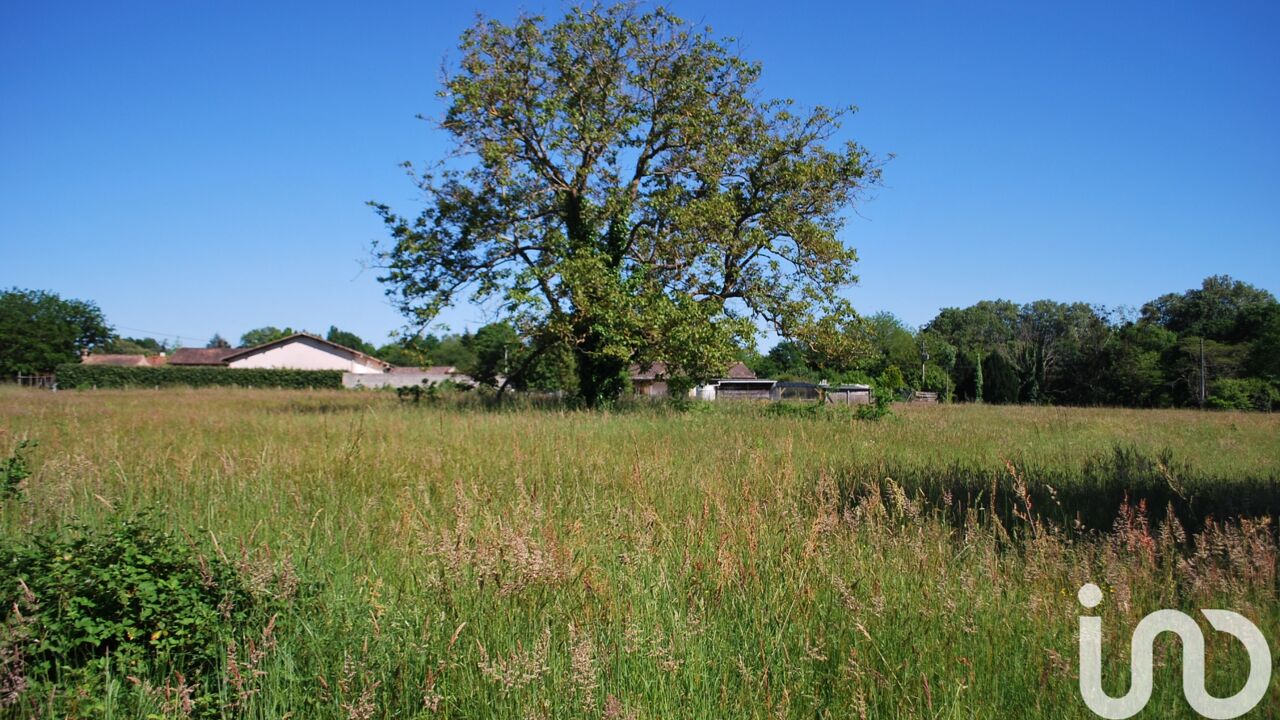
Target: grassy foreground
730,562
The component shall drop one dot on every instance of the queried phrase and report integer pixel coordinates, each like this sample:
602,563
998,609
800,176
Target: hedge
74,375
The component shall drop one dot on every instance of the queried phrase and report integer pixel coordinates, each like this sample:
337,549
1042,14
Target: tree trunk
601,378
977,377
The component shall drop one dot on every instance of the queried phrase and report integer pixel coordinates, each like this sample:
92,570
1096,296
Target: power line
157,333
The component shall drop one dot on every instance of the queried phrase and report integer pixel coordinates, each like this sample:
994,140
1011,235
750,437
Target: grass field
419,561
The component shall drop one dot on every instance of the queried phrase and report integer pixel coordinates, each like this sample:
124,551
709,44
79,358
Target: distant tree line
1215,346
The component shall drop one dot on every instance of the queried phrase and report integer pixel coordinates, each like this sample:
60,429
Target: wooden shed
851,394
744,389
795,390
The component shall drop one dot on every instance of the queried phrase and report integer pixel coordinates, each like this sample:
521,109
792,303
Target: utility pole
924,358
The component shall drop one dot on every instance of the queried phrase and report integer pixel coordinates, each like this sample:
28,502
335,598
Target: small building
651,380
795,390
115,360
745,389
398,377
851,394
303,351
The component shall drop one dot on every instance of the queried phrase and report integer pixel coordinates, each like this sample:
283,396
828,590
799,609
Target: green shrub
74,375
14,470
125,592
880,407
1244,394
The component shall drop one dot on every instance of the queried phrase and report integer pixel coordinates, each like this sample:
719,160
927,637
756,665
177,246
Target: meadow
398,560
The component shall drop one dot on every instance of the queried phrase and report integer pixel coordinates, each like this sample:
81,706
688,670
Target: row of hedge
75,375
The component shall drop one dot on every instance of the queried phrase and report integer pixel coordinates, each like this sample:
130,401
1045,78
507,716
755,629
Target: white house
303,351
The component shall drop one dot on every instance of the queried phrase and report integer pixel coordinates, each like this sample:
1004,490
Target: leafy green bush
123,592
880,407
14,470
1244,394
74,375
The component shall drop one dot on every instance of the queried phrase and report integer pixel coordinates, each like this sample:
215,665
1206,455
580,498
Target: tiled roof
123,360
200,356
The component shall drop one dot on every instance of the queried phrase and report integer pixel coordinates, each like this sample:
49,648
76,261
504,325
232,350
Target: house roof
653,371
658,370
123,360
200,356
245,352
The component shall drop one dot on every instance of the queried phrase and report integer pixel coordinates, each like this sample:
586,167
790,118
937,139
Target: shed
850,394
753,389
398,377
795,390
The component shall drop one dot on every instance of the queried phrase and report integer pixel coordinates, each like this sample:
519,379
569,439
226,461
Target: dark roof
748,382
122,360
658,371
200,356
243,352
653,371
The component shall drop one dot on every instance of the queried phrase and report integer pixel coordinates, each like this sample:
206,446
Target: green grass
724,563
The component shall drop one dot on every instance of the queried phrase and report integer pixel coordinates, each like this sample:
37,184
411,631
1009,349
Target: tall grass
453,562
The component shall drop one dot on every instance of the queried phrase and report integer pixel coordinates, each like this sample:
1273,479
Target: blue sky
201,167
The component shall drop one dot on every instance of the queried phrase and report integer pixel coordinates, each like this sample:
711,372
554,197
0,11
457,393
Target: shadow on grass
1088,497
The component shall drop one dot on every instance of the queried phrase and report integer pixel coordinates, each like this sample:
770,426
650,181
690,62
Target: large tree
620,189
349,339
264,335
39,330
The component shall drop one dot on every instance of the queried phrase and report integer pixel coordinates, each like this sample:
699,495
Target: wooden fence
45,382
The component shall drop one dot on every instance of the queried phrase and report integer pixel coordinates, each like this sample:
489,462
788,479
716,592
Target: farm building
745,389
124,360
398,377
850,395
303,351
795,390
651,380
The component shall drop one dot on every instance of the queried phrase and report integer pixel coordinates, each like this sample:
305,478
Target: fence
44,382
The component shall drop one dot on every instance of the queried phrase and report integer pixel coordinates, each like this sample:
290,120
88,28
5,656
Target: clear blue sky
201,167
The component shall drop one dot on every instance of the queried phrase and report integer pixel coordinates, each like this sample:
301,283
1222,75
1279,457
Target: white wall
400,379
305,354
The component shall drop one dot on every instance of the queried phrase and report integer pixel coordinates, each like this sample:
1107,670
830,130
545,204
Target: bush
881,406
125,592
14,471
1244,394
74,375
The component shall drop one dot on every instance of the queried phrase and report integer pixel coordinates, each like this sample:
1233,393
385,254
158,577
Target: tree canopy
349,339
619,189
264,335
39,330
